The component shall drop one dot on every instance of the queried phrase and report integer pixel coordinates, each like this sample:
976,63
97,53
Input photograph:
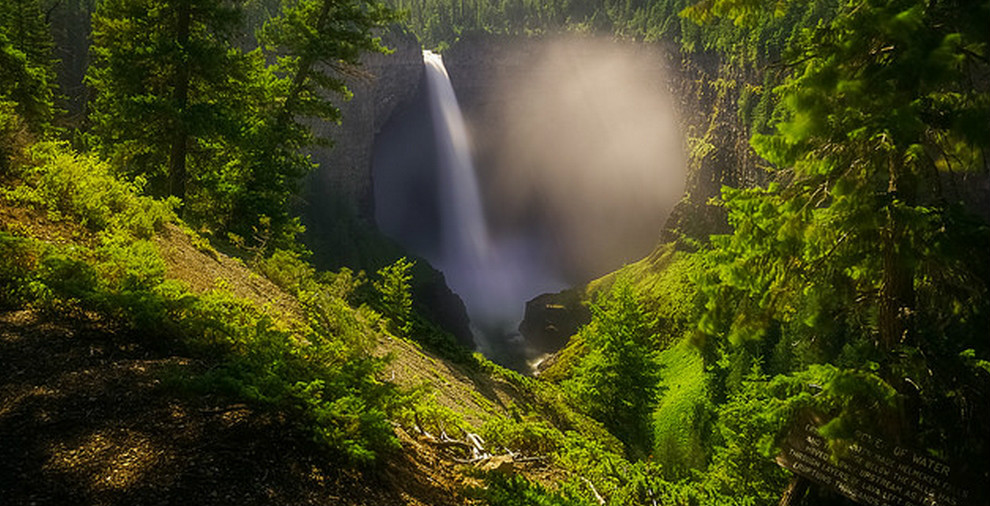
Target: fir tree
27,69
618,380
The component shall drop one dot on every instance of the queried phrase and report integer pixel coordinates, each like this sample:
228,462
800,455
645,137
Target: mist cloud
585,151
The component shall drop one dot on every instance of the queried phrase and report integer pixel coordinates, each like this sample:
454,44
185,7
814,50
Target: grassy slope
96,411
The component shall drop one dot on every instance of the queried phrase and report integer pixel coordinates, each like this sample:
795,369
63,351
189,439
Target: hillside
97,411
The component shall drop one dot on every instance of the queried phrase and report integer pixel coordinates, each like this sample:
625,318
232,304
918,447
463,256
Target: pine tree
618,380
218,126
27,69
168,88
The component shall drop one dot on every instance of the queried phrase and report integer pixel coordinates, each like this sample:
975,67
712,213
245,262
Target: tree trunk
897,291
180,97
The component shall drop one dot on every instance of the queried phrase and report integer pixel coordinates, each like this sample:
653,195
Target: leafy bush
80,187
19,259
420,409
534,437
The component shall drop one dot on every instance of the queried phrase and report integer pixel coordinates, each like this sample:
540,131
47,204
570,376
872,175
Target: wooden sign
873,472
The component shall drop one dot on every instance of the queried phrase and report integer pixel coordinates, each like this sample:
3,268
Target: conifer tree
27,69
216,125
618,380
167,80
856,254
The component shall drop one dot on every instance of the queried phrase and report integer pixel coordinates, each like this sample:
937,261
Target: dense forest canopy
852,288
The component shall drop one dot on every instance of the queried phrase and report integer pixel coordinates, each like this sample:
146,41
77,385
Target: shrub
81,188
502,490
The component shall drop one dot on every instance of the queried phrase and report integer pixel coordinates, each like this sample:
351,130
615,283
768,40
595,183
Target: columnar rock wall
715,143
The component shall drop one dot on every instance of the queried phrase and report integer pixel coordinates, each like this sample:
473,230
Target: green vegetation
396,297
27,69
321,371
216,123
849,287
617,380
439,23
853,286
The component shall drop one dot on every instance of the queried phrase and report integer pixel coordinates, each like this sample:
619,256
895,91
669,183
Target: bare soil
85,419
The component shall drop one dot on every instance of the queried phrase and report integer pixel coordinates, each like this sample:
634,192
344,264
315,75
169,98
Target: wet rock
552,318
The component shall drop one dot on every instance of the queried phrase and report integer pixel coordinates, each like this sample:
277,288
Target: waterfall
494,277
464,241
582,158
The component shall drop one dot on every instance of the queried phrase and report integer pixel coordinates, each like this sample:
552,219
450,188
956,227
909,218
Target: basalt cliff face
705,92
381,84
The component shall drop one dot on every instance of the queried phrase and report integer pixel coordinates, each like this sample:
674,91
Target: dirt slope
86,415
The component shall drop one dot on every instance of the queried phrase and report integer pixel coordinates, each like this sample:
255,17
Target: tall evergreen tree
167,80
218,126
618,380
27,68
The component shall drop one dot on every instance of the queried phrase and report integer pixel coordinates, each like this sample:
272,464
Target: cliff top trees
218,126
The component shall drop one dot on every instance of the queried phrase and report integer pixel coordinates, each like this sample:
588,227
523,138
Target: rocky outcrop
716,141
552,318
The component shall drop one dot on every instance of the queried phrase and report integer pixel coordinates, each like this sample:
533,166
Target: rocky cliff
382,83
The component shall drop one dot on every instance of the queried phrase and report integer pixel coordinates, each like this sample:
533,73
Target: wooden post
794,492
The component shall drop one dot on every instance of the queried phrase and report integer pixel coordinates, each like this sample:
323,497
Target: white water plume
494,280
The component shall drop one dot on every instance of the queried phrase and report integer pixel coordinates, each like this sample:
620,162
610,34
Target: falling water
464,233
582,159
494,278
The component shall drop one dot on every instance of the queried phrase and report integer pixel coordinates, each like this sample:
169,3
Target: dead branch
598,497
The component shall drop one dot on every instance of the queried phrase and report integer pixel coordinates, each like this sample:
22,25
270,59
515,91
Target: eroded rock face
343,178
